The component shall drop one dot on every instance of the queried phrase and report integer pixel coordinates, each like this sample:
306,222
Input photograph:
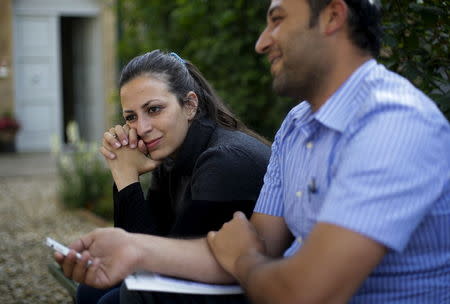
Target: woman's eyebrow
142,106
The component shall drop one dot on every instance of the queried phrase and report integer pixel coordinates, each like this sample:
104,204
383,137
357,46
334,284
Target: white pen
61,248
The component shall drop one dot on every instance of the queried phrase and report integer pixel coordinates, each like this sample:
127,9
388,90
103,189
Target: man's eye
276,19
154,109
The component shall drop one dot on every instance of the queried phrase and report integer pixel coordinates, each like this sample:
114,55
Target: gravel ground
29,212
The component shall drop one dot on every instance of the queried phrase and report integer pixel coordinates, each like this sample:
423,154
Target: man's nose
263,43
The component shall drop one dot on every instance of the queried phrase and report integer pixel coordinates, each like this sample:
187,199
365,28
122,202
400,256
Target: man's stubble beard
304,70
299,87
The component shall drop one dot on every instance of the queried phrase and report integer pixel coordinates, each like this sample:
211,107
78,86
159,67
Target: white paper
148,281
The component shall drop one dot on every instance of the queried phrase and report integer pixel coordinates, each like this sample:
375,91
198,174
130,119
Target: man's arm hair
329,268
274,231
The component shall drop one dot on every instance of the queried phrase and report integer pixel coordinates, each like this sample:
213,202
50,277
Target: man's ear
191,104
334,17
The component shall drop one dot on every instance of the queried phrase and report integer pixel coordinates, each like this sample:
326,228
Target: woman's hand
119,136
126,163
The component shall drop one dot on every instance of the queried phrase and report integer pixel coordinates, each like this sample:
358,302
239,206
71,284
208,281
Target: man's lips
153,143
273,58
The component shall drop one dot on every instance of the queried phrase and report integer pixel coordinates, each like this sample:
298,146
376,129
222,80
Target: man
357,193
359,173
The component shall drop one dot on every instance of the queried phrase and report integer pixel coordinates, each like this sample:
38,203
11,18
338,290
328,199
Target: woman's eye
154,109
130,117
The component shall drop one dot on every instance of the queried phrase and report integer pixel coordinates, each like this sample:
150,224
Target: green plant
223,50
85,181
416,36
415,45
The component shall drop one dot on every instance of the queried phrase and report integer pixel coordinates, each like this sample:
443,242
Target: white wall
37,66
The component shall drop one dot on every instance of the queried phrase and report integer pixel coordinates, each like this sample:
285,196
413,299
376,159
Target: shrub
415,45
85,180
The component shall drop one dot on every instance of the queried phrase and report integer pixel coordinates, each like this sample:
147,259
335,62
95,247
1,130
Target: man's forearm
184,258
322,271
266,281
254,273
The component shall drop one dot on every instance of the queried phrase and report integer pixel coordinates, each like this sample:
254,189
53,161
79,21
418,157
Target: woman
205,163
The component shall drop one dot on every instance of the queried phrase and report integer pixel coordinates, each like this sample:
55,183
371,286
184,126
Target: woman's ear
191,105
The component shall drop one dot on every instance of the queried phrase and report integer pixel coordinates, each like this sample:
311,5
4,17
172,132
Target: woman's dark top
215,173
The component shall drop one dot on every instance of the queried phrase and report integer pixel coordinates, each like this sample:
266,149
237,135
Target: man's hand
236,238
112,251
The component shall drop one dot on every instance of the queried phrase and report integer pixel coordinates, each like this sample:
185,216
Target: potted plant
8,130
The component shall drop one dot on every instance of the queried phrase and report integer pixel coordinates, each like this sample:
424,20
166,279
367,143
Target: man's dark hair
364,21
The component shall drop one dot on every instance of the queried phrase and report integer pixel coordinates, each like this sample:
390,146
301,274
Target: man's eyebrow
272,10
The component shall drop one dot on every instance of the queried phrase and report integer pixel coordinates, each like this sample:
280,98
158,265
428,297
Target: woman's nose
144,125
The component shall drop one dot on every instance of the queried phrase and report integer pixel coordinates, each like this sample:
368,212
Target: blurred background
59,66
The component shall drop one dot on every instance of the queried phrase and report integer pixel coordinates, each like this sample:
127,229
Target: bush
223,50
415,45
85,180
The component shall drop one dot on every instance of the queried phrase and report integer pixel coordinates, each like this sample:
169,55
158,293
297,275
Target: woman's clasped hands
126,155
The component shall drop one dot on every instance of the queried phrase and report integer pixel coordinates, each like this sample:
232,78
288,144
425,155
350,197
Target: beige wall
109,56
108,22
109,46
6,56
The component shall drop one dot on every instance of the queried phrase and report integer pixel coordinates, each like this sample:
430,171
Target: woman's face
161,122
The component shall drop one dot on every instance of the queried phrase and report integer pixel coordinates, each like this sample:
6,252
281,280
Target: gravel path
29,211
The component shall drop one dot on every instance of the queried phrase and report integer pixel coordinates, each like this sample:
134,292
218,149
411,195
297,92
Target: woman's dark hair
181,77
364,21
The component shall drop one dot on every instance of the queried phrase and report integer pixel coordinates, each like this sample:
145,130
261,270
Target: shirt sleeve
270,200
393,168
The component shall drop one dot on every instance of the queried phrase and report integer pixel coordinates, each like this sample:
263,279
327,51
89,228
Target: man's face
295,51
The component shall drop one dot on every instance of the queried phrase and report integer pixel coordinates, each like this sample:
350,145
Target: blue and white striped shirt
375,159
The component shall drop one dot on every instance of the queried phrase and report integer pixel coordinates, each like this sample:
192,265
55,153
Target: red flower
8,124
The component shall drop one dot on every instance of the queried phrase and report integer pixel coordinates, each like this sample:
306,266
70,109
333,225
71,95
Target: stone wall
6,56
109,46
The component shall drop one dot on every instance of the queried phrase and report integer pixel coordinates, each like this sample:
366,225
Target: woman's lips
153,143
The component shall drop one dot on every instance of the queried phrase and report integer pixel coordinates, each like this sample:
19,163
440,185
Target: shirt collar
301,114
340,108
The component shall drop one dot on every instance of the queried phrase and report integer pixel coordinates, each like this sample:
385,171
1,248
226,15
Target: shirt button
299,194
299,239
309,144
